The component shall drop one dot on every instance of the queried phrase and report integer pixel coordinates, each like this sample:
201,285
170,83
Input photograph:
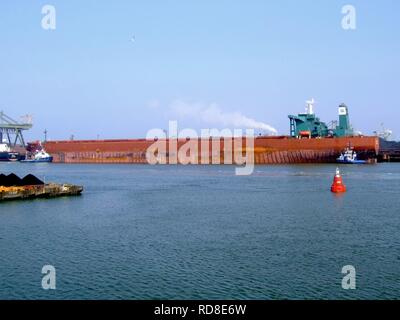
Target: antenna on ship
310,106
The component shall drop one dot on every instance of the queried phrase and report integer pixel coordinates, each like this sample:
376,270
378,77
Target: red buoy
338,185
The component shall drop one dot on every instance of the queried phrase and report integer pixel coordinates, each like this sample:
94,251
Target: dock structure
389,151
13,187
42,191
13,130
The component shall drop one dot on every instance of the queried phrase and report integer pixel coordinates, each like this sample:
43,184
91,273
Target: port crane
9,128
384,134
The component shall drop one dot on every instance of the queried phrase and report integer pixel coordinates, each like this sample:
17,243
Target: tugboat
6,154
349,156
36,153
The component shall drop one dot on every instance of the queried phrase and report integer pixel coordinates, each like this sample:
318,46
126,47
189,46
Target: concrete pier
43,191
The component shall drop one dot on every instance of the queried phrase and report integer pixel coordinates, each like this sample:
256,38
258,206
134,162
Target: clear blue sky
261,58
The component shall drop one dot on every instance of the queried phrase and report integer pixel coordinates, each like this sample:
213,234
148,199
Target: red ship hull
267,150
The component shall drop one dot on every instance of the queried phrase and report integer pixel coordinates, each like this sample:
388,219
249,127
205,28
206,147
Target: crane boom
10,127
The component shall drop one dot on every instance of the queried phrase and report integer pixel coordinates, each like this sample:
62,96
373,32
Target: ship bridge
11,130
309,125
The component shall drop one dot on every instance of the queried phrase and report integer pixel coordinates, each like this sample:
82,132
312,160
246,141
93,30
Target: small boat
36,153
6,154
349,156
39,156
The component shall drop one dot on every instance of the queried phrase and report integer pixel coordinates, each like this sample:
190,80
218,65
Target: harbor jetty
30,187
389,151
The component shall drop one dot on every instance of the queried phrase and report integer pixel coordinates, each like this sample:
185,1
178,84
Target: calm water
143,232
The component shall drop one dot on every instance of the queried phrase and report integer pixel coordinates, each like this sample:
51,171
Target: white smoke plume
213,115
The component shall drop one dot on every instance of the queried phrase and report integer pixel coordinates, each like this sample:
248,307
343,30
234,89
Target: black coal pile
31,180
12,180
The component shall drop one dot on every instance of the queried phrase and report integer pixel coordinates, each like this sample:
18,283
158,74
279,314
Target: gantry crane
12,130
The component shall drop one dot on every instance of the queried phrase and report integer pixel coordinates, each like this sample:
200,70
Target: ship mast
310,106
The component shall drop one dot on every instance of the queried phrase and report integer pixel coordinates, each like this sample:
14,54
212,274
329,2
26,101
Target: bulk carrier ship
310,141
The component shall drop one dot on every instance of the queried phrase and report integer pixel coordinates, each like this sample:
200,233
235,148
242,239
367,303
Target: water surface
200,232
